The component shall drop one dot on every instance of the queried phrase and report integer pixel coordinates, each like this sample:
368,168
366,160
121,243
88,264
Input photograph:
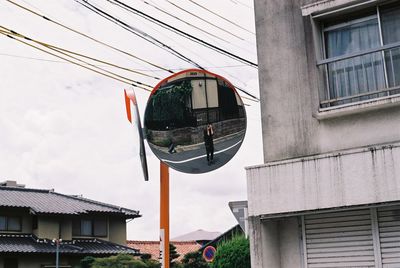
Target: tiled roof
50,202
199,235
153,247
28,243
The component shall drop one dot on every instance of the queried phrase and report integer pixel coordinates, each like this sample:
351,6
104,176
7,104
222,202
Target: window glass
390,18
14,224
100,228
76,227
355,75
3,223
86,227
354,36
391,34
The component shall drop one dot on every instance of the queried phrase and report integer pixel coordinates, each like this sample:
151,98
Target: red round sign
209,253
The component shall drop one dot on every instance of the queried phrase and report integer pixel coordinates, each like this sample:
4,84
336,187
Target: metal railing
361,76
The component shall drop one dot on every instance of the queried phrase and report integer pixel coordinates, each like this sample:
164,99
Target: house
31,220
328,192
153,248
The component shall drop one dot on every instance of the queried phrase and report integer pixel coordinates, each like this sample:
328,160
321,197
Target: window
10,223
362,57
10,263
90,227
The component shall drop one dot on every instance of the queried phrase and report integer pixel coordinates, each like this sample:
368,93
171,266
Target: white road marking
201,156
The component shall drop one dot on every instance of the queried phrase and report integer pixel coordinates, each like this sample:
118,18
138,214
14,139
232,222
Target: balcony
347,178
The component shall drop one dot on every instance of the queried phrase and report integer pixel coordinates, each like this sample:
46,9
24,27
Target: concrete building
32,219
328,192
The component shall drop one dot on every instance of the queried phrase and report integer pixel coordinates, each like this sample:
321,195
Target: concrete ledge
346,178
323,6
358,107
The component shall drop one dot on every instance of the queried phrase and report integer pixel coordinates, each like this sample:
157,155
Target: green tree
234,253
87,262
146,258
194,260
173,255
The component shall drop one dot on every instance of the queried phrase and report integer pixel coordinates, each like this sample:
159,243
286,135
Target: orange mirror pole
164,215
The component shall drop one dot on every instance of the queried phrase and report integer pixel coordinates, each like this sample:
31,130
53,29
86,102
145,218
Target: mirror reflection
195,121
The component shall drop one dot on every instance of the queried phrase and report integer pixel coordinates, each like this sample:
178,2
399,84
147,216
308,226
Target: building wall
66,228
37,261
48,227
289,88
275,243
313,158
117,230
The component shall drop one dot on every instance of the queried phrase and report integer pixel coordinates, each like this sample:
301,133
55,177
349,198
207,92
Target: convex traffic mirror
195,121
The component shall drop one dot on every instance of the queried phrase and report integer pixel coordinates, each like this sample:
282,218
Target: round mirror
195,121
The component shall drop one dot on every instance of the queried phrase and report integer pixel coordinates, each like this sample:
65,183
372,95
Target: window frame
7,224
92,223
326,102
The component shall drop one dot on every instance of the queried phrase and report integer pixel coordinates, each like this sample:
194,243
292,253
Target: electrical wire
123,80
181,20
215,41
206,21
182,33
137,32
222,17
241,3
149,70
127,53
89,37
66,52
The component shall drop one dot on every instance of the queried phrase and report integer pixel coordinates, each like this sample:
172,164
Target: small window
34,222
3,223
100,228
10,223
86,228
10,263
90,227
362,57
14,224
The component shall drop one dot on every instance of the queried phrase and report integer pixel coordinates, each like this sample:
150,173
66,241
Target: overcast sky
64,127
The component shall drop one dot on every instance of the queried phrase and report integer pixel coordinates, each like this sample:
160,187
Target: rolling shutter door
389,236
339,239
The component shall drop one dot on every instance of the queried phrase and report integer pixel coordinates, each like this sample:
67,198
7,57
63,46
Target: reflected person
209,143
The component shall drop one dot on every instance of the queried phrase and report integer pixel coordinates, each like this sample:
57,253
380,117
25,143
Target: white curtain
358,74
391,34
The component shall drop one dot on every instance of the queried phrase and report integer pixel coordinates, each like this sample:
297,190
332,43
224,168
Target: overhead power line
153,4
103,72
130,82
67,52
222,17
89,37
137,32
182,33
206,21
181,20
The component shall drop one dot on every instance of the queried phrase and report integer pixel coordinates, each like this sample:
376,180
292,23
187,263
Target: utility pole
57,242
164,215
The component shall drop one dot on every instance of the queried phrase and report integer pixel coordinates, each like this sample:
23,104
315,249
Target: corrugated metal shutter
339,239
389,236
